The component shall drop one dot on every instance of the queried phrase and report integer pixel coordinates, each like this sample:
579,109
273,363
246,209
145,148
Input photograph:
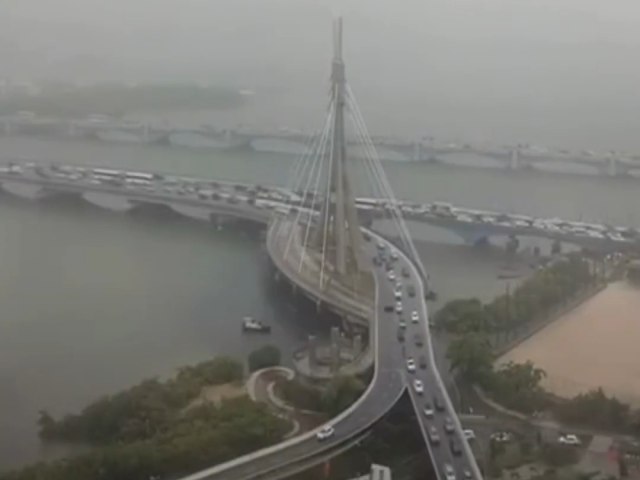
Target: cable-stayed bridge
316,240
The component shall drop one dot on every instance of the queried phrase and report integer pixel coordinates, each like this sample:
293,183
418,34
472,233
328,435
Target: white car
418,387
392,275
569,439
402,324
411,365
398,294
469,434
398,307
414,317
326,432
449,473
428,410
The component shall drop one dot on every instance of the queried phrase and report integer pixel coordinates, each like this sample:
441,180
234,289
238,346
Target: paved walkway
260,387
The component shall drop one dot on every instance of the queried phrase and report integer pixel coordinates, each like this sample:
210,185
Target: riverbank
197,418
590,346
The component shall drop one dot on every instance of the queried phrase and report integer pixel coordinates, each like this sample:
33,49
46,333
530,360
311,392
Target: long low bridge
514,157
253,200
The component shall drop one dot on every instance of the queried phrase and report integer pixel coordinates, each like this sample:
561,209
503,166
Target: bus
148,177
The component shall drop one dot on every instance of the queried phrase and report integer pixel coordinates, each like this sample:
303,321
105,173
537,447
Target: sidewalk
260,387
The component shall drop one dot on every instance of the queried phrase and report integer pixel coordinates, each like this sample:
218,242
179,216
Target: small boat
249,324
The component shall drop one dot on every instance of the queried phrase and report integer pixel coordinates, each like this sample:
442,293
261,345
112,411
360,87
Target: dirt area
595,345
216,393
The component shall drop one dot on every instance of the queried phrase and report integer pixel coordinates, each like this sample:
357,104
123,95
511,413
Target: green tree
341,392
517,385
268,356
471,357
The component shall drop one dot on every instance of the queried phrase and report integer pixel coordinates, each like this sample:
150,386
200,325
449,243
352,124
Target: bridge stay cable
298,170
327,201
309,179
311,215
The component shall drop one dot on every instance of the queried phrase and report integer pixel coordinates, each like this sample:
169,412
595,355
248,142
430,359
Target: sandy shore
595,345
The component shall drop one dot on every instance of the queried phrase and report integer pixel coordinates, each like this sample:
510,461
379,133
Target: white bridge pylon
320,224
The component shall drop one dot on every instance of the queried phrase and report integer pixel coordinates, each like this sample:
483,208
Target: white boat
249,324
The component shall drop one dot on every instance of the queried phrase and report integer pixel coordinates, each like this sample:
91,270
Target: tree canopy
152,429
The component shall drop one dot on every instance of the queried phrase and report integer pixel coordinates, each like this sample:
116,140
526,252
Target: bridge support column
312,345
335,349
473,238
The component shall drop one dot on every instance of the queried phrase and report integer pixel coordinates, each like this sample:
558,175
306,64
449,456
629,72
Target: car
448,426
454,446
467,474
428,410
400,335
411,290
388,308
500,437
381,246
469,434
422,361
391,275
405,272
398,307
325,432
394,255
449,473
418,340
438,404
398,294
569,439
418,387
402,324
434,437
414,317
411,365
398,285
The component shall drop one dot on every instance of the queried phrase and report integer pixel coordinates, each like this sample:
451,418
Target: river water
94,301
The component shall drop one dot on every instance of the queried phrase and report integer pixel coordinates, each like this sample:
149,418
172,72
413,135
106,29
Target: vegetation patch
147,431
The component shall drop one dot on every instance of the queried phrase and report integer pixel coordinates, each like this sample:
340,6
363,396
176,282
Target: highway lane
441,453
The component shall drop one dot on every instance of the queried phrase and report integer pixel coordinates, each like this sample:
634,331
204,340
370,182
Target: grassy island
158,429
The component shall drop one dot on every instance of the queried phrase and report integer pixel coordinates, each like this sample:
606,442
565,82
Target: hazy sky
539,70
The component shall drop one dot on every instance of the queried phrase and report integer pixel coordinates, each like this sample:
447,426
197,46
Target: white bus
149,177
